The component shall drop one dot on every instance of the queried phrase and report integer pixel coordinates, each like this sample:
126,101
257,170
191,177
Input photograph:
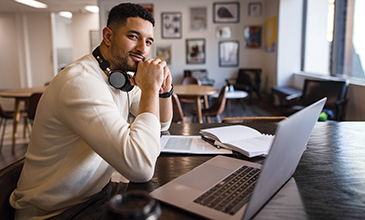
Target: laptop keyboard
232,193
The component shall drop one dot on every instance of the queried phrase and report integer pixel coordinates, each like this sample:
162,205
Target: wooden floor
262,107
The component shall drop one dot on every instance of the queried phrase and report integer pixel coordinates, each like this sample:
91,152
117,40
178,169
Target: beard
121,62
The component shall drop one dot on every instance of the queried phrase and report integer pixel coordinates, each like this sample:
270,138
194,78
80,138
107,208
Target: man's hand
151,75
166,84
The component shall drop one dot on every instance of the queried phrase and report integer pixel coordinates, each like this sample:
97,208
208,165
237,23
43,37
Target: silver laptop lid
290,140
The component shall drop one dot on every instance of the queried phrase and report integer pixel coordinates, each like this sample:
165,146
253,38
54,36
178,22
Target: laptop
195,191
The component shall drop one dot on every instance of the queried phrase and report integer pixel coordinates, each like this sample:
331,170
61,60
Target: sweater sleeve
90,112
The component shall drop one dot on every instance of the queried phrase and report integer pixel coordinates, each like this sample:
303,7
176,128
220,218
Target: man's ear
107,36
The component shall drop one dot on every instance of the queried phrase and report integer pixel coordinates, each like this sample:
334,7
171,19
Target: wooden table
196,91
329,180
19,95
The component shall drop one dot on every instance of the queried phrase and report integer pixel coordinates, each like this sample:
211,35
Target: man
81,131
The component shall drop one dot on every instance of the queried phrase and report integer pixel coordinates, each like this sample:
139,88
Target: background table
196,91
19,95
329,181
236,94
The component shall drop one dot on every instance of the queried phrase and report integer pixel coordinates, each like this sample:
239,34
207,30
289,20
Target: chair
32,106
188,81
248,80
178,114
314,90
217,106
4,117
8,180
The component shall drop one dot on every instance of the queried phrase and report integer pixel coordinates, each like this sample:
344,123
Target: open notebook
195,191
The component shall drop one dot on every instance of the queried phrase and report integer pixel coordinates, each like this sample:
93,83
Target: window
333,39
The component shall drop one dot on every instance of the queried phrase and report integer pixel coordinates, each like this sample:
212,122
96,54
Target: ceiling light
32,3
92,8
65,14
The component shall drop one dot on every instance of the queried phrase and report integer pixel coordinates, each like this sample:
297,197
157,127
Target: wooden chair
178,114
32,106
4,117
188,81
8,180
253,119
217,106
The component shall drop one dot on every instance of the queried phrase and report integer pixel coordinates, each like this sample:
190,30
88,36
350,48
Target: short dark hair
120,13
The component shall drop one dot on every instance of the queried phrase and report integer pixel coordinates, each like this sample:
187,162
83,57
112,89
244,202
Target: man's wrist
167,94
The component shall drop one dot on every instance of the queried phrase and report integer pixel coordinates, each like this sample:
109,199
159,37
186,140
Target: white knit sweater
80,135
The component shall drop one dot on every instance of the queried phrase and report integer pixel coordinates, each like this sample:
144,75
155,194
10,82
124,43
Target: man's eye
133,36
149,43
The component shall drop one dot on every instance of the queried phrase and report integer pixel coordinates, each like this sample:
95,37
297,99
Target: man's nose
142,47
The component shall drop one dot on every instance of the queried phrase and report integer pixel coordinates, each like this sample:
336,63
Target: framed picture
252,36
226,12
223,32
228,53
255,9
171,25
164,53
198,19
195,51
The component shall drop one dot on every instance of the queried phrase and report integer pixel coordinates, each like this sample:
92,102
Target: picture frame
223,32
228,53
164,53
171,25
254,9
253,36
226,12
195,51
198,19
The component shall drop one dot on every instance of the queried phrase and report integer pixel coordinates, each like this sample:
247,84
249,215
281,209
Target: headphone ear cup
120,80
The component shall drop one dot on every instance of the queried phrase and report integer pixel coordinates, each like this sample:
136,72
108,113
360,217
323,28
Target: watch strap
167,94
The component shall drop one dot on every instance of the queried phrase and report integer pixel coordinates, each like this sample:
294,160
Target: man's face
131,44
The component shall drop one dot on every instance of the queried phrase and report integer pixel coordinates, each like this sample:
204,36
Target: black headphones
119,79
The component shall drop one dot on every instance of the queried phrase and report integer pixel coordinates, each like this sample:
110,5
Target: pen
210,141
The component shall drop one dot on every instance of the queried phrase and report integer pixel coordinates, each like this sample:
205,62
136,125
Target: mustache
138,54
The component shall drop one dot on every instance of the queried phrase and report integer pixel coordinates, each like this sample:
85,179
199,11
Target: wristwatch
167,94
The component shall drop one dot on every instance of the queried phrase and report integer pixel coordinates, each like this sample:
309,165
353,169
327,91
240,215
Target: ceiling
74,6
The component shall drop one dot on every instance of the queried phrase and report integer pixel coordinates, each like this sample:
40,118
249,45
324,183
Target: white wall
248,58
82,24
317,56
26,49
289,40
9,71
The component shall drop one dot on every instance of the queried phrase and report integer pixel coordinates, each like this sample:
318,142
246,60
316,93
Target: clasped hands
153,74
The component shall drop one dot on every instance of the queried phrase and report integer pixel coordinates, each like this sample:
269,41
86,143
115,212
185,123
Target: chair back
218,104
315,90
178,114
8,180
253,119
249,77
32,105
190,80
